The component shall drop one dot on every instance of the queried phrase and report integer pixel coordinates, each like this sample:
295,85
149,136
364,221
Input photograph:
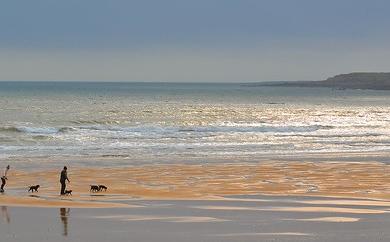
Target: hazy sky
197,40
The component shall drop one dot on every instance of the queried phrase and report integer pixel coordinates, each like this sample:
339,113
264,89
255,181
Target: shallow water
150,122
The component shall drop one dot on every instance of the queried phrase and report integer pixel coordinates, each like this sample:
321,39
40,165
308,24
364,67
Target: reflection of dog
94,188
68,192
102,187
34,188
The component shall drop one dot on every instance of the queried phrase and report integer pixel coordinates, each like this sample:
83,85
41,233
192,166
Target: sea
112,124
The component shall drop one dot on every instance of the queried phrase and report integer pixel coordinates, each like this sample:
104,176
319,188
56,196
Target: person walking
63,179
4,179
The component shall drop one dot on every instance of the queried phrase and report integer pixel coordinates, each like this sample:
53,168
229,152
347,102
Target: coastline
364,180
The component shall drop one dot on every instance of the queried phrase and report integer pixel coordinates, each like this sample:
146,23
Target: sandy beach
267,201
368,180
234,218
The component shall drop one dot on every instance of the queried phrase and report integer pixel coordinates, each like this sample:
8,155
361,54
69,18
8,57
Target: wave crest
164,129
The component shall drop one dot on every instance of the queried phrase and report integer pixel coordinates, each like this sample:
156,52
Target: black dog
34,188
94,188
102,187
68,192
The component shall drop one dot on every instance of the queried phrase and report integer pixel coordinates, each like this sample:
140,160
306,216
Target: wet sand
369,180
254,218
300,201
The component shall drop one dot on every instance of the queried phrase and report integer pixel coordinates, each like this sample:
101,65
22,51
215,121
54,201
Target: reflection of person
4,212
63,178
64,218
4,179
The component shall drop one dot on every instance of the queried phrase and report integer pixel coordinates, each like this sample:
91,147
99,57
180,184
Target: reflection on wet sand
64,213
5,214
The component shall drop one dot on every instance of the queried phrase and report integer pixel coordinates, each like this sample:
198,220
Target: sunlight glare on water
185,121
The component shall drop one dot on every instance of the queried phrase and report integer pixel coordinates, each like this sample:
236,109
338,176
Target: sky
192,40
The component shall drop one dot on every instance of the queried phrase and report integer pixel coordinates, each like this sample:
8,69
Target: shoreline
349,180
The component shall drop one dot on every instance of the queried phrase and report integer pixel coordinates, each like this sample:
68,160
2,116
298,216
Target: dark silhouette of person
64,219
4,179
63,179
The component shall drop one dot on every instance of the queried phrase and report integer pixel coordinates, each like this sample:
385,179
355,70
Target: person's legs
2,184
63,186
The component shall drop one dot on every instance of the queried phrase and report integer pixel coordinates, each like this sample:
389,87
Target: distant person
63,178
4,179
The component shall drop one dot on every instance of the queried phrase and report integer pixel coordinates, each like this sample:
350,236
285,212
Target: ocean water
129,123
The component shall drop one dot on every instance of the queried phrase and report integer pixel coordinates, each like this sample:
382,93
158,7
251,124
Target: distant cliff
358,80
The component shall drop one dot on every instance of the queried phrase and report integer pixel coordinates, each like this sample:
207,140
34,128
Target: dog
34,188
68,192
102,187
94,188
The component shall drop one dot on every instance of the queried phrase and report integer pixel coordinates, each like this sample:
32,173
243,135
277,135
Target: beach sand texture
367,180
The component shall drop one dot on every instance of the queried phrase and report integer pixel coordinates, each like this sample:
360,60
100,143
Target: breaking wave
165,129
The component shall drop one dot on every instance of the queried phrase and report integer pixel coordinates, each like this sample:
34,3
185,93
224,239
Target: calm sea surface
127,123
